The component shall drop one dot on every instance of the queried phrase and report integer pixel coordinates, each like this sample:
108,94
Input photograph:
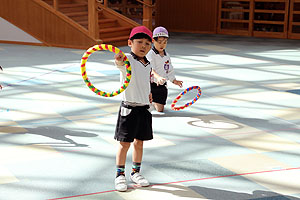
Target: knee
138,143
124,145
160,110
159,107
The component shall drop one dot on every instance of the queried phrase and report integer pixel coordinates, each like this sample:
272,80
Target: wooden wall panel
188,16
53,29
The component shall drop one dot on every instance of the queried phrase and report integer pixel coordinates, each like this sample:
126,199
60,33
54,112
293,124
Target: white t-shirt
161,64
139,89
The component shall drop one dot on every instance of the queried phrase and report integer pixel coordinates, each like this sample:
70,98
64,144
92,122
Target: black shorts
159,93
133,123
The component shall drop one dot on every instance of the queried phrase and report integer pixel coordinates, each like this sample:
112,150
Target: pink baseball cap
140,29
160,32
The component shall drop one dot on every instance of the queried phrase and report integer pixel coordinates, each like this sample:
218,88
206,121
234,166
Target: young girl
162,68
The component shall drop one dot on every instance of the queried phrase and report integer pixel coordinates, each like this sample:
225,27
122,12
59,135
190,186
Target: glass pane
234,26
296,18
236,4
269,16
235,15
296,29
270,5
268,27
296,6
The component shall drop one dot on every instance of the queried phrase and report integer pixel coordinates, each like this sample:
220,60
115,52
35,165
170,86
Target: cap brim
160,35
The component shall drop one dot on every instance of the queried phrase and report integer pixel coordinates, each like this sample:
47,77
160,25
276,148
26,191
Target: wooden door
270,18
235,17
294,20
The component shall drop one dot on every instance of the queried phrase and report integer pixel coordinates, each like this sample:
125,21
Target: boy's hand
119,59
179,83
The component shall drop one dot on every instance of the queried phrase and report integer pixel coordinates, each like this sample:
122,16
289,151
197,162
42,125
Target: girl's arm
160,80
171,75
177,82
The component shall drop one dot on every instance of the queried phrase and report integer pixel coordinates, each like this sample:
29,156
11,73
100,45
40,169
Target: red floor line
184,181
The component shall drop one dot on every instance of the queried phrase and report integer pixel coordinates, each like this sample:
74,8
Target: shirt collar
157,52
138,59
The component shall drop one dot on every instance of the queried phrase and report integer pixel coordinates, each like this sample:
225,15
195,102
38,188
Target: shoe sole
121,190
124,190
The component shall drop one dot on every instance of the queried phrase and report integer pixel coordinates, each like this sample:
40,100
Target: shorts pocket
125,111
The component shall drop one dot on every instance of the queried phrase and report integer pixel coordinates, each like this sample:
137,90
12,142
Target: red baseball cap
140,29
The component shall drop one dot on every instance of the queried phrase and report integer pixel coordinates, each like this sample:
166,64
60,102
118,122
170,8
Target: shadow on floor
214,194
60,134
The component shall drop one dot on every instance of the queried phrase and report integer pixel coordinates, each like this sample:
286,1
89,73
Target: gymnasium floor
240,140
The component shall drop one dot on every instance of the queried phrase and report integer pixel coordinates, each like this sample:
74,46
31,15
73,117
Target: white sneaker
120,183
139,179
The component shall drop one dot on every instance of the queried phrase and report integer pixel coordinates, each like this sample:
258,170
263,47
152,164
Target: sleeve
171,74
122,69
149,57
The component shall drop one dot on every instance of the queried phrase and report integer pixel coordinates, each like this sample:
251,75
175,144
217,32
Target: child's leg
137,156
121,156
159,107
120,181
137,153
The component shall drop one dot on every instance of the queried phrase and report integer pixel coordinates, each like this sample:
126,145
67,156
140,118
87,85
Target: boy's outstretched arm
119,59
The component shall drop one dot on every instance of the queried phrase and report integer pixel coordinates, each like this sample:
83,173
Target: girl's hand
160,80
179,83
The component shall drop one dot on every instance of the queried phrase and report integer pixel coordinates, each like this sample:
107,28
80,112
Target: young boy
162,68
134,120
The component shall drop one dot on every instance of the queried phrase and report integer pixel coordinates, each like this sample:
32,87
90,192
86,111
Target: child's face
160,44
140,47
